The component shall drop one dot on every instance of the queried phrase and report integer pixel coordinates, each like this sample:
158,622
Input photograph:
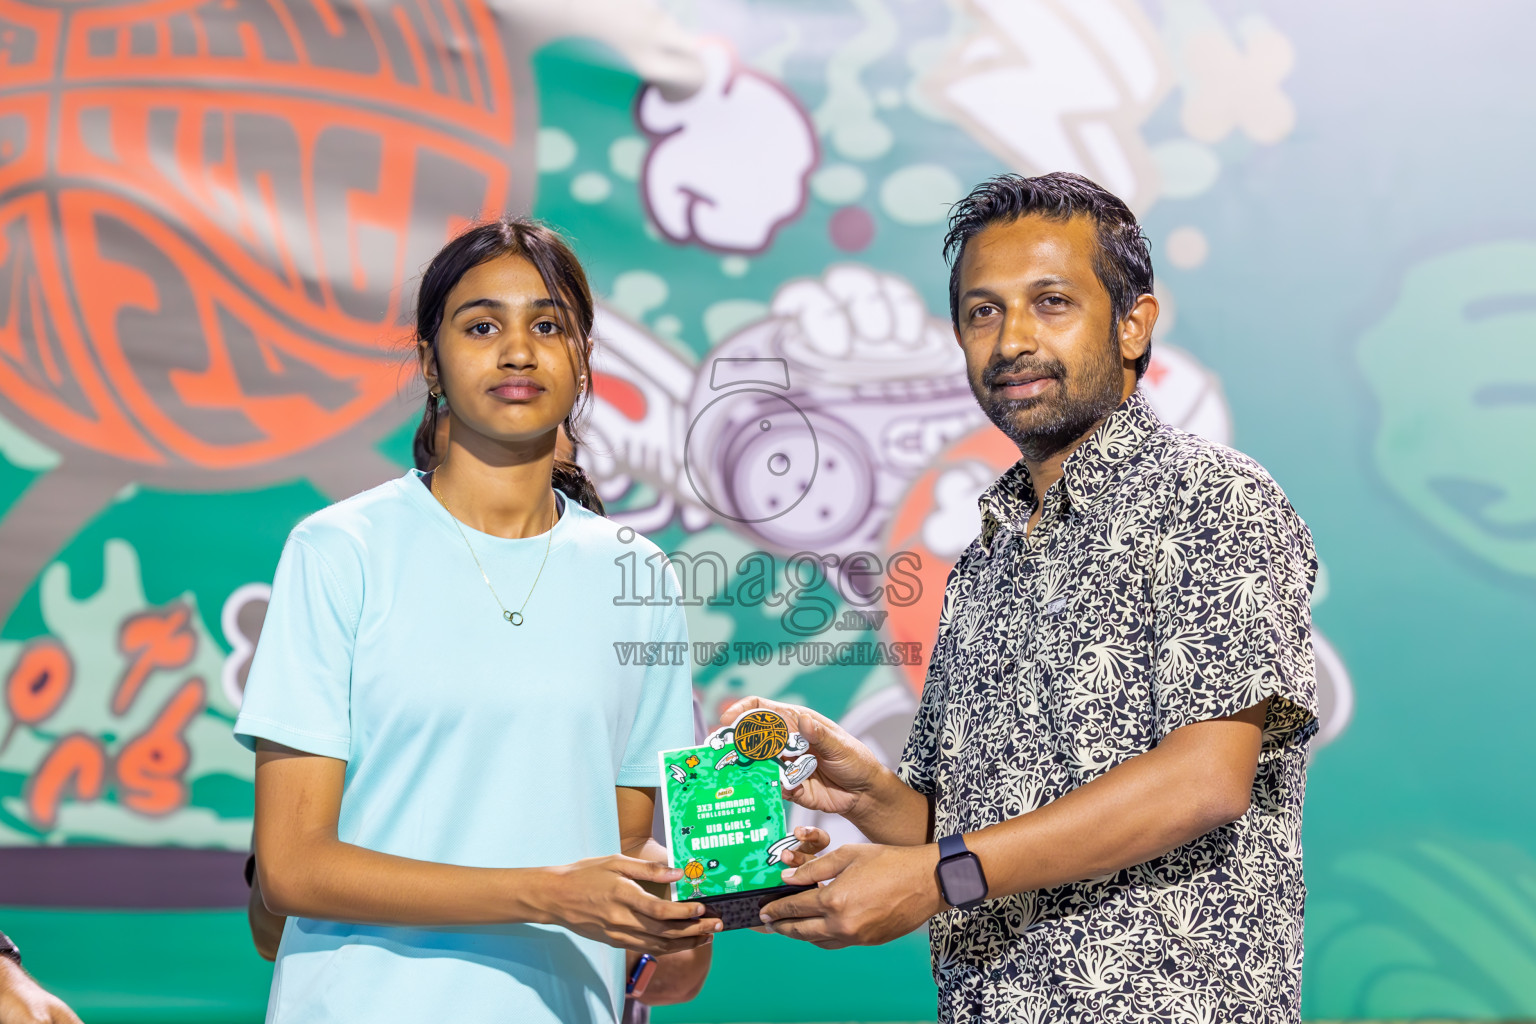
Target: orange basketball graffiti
209,275
208,211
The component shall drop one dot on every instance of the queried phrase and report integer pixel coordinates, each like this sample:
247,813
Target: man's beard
1062,415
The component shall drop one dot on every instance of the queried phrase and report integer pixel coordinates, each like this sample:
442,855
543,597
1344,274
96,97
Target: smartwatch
640,977
961,881
8,949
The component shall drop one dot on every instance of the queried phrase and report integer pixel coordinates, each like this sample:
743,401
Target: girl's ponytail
570,481
424,451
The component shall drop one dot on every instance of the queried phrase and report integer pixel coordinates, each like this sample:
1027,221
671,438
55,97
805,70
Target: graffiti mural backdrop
212,215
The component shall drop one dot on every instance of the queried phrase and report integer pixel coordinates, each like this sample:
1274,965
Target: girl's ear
426,357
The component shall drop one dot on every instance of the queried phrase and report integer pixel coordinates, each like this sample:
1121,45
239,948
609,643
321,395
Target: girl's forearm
331,880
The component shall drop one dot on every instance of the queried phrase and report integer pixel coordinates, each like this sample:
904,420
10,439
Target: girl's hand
601,898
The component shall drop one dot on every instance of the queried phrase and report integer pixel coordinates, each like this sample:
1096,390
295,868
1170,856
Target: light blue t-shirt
468,740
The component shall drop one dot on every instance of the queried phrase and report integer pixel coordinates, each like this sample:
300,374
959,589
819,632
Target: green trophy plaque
724,806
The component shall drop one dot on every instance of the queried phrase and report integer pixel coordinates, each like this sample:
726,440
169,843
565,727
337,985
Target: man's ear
1136,328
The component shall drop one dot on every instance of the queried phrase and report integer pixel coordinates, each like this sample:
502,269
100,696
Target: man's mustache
1022,368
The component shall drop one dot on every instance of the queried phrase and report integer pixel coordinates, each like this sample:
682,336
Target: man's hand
846,770
876,894
849,779
24,1001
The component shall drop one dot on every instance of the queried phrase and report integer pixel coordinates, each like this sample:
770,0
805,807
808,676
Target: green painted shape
1508,964
126,967
87,625
1453,369
1429,929
757,977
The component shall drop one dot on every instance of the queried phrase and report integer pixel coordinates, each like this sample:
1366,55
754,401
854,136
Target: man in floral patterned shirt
1117,708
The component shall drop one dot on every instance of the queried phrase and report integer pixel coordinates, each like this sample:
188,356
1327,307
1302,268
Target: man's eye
983,310
1055,301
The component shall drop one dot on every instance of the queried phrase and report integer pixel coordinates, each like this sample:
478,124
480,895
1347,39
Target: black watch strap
8,949
951,845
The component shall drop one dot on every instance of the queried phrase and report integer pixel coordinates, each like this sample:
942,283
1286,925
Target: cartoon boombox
800,431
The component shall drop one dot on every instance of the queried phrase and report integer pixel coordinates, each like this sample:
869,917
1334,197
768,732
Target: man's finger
793,714
801,904
820,733
812,841
806,929
822,868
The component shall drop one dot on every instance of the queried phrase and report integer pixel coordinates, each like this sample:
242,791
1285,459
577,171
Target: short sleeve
918,767
1232,588
298,691
664,719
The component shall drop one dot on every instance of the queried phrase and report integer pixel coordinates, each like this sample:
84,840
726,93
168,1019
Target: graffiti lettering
150,766
153,640
37,685
77,764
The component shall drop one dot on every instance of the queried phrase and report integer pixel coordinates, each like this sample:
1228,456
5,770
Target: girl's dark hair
552,257
1123,263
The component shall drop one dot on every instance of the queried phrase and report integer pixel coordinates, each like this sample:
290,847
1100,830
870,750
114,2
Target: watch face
962,881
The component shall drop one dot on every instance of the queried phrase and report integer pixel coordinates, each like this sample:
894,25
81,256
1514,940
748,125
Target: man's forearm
891,812
1141,809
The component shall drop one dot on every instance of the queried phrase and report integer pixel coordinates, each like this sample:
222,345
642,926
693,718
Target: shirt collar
1010,500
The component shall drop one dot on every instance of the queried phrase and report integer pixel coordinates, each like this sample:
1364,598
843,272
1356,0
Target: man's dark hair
1123,264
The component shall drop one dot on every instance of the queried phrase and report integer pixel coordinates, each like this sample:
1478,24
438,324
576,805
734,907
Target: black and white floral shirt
1167,582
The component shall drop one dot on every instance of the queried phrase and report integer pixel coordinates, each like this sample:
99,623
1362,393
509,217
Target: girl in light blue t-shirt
455,770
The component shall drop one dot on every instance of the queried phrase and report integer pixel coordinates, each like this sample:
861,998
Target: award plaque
724,807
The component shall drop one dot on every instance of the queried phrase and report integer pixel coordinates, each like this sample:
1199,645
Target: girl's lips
517,392
1028,389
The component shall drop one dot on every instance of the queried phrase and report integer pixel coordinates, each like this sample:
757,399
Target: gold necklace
516,618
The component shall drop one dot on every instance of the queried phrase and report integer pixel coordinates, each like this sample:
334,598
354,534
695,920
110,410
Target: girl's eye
490,328
546,327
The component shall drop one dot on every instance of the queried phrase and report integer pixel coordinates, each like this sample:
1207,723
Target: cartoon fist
853,304
855,321
729,164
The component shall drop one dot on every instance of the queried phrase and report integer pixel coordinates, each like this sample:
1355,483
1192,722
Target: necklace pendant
516,618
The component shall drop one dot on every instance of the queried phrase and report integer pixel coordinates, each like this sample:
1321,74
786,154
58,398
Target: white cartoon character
728,163
1059,85
731,149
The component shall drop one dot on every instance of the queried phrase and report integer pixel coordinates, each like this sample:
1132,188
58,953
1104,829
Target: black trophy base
741,909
